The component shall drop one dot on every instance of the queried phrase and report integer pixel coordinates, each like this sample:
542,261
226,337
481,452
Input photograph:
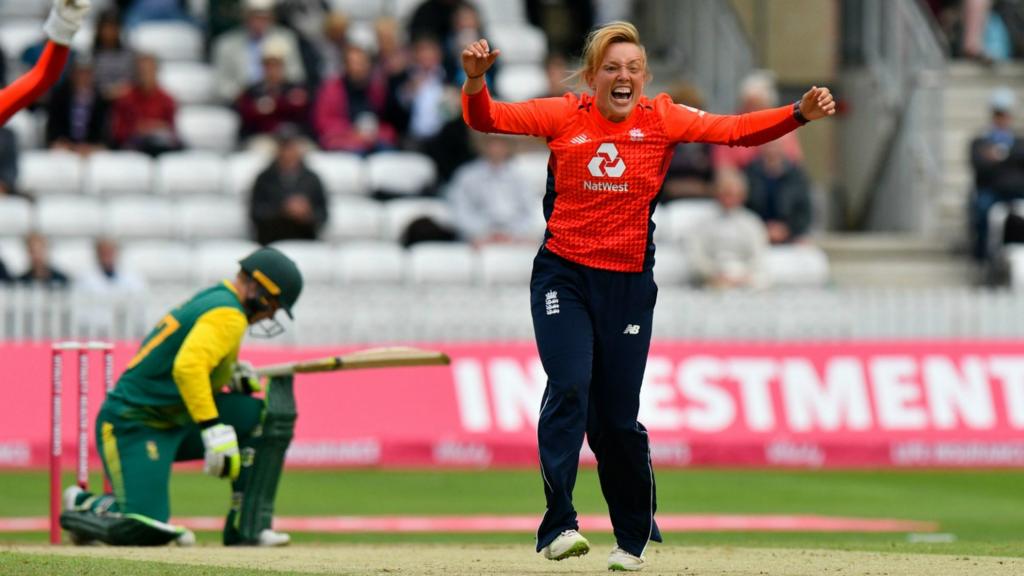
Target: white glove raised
222,458
244,378
65,19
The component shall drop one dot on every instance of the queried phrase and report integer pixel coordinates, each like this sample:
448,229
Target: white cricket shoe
568,544
186,539
70,497
621,561
270,537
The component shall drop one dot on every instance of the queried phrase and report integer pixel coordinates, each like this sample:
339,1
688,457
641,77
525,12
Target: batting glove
244,378
65,19
222,458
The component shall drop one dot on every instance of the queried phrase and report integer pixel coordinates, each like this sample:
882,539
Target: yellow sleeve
216,335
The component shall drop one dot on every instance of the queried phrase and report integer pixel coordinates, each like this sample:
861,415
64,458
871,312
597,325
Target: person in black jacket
997,156
79,117
780,193
288,200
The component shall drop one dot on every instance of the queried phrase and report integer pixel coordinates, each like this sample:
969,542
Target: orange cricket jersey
33,83
603,176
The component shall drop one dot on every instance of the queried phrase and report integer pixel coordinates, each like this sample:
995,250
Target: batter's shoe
621,561
186,539
69,502
271,538
568,544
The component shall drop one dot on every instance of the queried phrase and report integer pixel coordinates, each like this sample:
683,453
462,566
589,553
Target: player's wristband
800,118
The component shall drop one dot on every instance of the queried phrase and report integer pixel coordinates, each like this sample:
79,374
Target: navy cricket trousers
593,331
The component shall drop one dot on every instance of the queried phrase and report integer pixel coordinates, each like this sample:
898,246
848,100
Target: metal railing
698,41
377,314
894,63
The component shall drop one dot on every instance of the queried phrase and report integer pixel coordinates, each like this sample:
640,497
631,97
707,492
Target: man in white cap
238,54
997,157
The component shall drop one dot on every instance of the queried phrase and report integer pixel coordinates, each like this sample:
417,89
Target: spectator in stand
40,271
78,117
352,111
689,172
727,250
110,287
332,45
307,20
758,92
422,93
391,53
780,193
113,62
8,161
288,200
556,66
466,28
433,19
143,118
273,101
490,198
237,54
997,156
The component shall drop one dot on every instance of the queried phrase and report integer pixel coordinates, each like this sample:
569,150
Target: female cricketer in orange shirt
592,289
64,20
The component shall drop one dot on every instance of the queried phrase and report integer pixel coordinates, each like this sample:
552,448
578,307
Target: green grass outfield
983,509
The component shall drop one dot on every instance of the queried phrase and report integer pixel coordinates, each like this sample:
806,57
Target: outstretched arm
538,117
64,20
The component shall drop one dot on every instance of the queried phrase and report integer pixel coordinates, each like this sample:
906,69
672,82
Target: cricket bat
390,357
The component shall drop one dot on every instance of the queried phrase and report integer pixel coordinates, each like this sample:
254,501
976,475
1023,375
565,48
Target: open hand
817,103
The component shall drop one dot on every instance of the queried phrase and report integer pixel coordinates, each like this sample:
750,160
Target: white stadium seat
70,216
15,216
371,263
25,9
132,217
518,82
50,172
167,40
685,215
316,260
534,166
671,267
242,170
207,128
360,9
442,263
403,173
399,213
206,217
353,217
497,12
341,173
519,43
14,255
190,173
26,128
159,261
118,174
506,263
18,34
75,257
218,259
189,83
797,265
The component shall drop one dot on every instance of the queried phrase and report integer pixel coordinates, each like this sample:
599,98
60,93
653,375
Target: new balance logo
581,139
632,329
551,303
607,162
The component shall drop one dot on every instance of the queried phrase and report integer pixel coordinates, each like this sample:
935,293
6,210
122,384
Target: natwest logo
607,162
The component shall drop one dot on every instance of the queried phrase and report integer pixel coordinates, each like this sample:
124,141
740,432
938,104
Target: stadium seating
370,263
242,170
506,264
118,173
131,217
797,265
190,173
671,267
210,217
353,217
210,128
519,82
167,40
70,216
28,129
316,260
341,173
400,173
685,215
494,12
50,172
159,261
15,216
360,9
398,214
441,263
216,260
189,83
13,254
76,257
519,43
17,34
